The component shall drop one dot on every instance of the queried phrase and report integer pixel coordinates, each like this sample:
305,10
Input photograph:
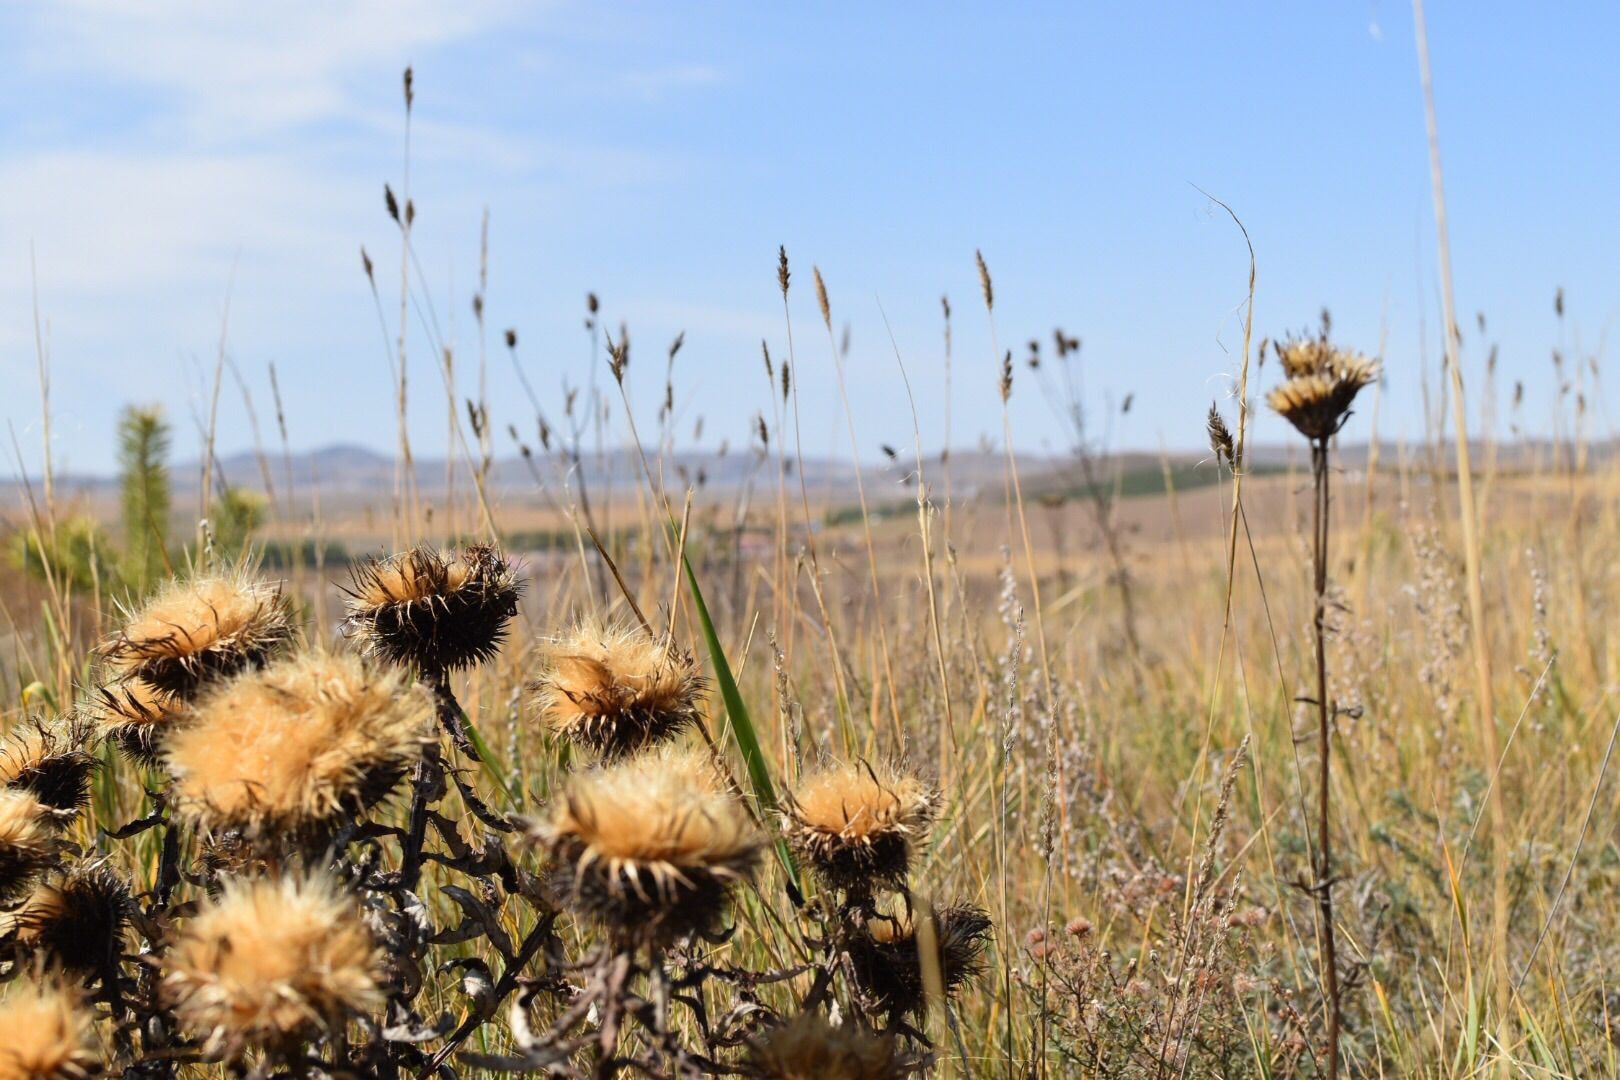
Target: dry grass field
1268,761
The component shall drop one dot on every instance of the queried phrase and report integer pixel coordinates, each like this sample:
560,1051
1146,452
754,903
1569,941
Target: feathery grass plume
134,716
649,847
887,966
76,918
615,689
1322,383
49,762
196,631
46,1033
807,1047
28,845
434,611
984,281
271,964
857,824
296,749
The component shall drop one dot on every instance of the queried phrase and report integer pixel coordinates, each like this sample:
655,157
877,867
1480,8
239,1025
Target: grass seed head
75,918
887,965
199,630
809,1048
272,963
49,762
857,824
434,611
46,1033
649,847
28,845
616,690
297,749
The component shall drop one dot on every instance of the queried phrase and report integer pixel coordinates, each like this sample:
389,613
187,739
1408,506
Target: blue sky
158,158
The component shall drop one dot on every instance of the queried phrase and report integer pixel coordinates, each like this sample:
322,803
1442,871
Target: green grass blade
742,726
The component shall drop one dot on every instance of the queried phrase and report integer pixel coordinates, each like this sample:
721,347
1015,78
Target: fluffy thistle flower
28,843
887,964
434,611
46,1033
49,762
809,1048
134,716
196,631
295,749
75,919
271,964
857,824
617,690
1322,383
649,847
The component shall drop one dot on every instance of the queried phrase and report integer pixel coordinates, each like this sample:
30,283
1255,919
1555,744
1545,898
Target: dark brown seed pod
885,960
433,611
857,824
197,631
49,762
75,919
616,690
650,848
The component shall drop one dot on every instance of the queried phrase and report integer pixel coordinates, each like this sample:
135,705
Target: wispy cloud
242,70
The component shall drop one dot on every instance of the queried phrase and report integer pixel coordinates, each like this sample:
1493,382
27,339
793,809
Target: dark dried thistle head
272,963
887,965
616,690
433,611
858,825
1322,383
75,918
287,755
28,843
49,762
199,630
46,1031
807,1047
650,847
134,716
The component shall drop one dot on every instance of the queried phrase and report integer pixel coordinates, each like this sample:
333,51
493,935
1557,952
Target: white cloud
246,69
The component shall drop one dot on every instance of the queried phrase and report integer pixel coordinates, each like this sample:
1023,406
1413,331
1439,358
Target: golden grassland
1130,805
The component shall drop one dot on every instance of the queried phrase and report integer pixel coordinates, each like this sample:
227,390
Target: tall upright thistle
1322,382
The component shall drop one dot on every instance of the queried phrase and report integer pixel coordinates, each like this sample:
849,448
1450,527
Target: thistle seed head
49,762
193,632
75,918
887,966
858,824
615,690
807,1047
46,1033
296,750
650,847
1322,383
272,963
434,611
